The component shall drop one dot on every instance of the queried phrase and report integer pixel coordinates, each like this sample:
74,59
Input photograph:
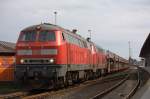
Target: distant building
7,61
145,51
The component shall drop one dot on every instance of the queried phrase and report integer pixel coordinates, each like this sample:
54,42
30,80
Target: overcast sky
113,22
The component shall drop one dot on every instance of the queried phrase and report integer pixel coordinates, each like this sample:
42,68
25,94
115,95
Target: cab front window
37,36
28,36
47,36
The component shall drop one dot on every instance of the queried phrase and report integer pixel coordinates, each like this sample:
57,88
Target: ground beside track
124,89
86,92
144,90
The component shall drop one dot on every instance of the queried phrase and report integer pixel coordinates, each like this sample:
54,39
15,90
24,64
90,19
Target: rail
132,92
98,96
43,95
51,95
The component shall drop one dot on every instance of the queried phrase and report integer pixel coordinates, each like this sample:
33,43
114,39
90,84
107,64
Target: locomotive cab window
47,36
28,36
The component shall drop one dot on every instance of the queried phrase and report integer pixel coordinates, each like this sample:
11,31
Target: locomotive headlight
51,60
22,61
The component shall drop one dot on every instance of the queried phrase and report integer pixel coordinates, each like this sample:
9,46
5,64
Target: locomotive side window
74,40
88,45
47,36
85,44
71,39
63,37
81,43
66,37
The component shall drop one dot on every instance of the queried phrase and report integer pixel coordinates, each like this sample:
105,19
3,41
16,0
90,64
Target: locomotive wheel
61,82
86,77
96,74
66,84
55,84
76,77
66,81
99,73
69,79
91,75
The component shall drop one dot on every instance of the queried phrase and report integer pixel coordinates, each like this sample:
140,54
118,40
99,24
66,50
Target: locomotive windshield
28,36
42,36
46,36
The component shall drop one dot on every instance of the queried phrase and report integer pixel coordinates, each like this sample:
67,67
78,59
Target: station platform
144,92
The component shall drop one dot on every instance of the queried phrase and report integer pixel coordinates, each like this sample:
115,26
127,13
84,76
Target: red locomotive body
50,53
53,56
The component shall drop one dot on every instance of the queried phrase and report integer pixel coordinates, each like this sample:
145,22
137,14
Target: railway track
64,93
98,96
131,93
122,90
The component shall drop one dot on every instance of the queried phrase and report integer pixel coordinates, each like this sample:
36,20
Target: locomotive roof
48,26
45,26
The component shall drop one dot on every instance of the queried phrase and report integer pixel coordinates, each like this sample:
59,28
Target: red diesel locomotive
48,55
